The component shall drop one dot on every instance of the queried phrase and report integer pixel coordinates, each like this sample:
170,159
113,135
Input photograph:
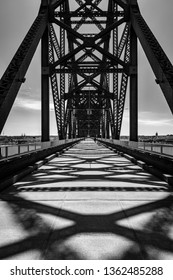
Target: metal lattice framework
89,52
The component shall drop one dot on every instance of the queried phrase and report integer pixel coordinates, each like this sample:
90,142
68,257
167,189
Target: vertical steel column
45,136
103,124
74,123
62,76
70,123
133,86
115,79
106,123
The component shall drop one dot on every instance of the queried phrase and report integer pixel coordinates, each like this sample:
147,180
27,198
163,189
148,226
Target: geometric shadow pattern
49,243
73,167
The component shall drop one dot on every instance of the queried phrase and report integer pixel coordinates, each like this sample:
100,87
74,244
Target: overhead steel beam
14,76
69,29
89,69
68,56
121,3
78,13
114,60
157,58
56,3
107,94
76,89
108,29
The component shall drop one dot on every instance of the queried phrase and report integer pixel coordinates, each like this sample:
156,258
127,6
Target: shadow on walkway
75,166
62,173
51,243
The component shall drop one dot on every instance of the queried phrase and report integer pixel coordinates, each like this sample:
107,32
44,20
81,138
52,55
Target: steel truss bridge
88,57
78,198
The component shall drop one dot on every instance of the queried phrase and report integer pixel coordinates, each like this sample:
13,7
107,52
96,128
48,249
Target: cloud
30,104
155,118
149,123
156,123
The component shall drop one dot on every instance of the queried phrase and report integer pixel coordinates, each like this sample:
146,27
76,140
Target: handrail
7,151
159,148
12,150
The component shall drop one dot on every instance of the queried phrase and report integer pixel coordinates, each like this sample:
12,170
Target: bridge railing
15,149
163,149
12,150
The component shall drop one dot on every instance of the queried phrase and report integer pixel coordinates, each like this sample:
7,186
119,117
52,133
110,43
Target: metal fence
164,149
13,150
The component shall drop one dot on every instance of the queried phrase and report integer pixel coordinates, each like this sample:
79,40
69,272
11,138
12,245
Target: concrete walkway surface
88,203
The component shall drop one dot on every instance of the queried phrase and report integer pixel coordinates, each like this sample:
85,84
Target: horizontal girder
89,69
89,13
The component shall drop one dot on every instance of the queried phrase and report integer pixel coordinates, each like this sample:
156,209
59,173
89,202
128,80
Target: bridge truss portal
89,55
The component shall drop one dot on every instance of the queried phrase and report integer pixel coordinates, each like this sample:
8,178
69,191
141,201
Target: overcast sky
16,16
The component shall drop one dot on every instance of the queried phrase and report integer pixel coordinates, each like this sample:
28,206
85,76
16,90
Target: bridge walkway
88,203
